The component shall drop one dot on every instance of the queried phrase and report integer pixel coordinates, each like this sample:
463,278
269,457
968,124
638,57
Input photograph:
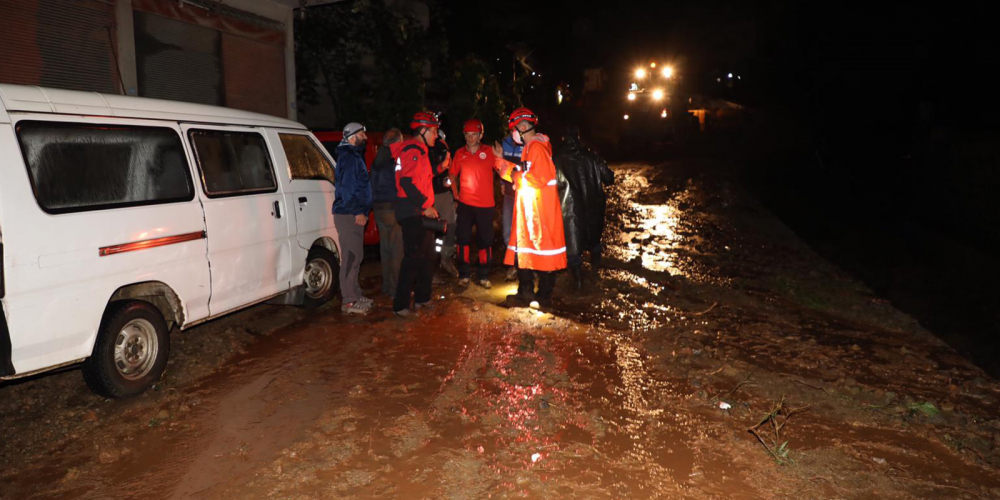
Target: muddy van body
122,218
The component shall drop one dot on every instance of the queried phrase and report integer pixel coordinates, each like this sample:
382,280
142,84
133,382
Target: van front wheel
131,350
321,277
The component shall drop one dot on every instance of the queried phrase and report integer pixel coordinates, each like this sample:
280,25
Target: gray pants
390,246
444,203
352,251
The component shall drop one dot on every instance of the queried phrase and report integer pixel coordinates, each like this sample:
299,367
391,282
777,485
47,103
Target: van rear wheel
131,350
322,276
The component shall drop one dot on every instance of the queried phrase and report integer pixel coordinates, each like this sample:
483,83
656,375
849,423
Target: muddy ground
714,356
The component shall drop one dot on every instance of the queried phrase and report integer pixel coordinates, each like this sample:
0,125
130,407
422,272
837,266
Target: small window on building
75,167
233,163
305,160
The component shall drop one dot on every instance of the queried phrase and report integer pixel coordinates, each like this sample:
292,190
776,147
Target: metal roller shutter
58,43
254,75
177,60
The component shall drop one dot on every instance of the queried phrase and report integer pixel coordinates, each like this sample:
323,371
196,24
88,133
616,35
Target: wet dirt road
709,319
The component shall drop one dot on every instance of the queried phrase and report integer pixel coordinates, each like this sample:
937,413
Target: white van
122,218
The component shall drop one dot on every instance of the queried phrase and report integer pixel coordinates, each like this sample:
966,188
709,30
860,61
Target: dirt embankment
710,319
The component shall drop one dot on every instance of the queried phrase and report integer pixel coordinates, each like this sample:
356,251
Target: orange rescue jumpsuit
536,237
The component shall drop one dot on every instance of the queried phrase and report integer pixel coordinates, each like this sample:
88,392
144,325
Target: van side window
233,162
75,167
305,160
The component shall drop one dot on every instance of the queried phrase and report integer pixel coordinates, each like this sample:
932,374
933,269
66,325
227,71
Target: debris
724,405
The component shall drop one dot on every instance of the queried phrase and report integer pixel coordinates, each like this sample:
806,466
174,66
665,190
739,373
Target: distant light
533,74
634,86
640,73
718,79
652,65
739,77
663,114
626,117
730,75
559,96
658,94
631,96
668,72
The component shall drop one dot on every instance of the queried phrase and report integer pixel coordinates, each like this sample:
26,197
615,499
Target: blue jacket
384,176
511,153
353,190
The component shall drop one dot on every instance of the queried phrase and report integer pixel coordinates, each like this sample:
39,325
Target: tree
475,93
369,59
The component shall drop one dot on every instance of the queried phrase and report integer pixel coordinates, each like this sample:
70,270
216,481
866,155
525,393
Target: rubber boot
577,277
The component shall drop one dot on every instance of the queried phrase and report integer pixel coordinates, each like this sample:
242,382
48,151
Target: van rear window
76,167
233,163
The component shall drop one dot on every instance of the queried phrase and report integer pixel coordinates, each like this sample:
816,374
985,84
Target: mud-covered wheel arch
157,293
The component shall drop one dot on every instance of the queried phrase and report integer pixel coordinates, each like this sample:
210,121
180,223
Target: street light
631,96
640,73
626,117
657,94
668,72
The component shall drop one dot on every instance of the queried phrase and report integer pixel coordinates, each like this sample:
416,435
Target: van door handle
277,210
303,201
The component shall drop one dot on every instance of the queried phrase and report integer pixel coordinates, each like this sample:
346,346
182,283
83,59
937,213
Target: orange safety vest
536,236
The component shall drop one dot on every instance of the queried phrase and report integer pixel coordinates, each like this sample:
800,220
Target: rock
856,348
162,415
107,457
948,406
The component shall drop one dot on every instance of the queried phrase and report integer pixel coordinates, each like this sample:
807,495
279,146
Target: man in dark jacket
582,177
444,201
414,203
389,232
351,204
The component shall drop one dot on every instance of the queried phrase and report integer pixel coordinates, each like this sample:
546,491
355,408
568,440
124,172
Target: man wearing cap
537,243
472,179
351,205
414,203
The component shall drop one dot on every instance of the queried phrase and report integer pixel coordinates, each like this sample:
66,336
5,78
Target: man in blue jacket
351,205
511,153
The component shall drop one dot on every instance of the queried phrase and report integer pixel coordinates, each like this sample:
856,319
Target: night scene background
797,298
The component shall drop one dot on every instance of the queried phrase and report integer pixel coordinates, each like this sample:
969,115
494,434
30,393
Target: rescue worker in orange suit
414,203
537,243
472,180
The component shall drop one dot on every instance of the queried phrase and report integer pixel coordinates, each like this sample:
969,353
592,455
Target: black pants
482,219
417,268
526,283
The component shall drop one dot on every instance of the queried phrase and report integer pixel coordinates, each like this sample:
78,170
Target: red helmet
521,114
424,119
473,125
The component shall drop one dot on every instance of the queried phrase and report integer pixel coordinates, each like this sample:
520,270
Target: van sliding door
246,217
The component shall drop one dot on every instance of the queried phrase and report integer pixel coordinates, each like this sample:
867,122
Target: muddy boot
577,273
546,284
525,289
595,260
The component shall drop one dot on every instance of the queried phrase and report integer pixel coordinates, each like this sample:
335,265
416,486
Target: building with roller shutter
235,53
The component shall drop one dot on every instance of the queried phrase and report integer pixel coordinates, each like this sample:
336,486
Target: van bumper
6,367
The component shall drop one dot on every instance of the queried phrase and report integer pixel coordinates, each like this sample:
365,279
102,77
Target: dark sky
790,51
